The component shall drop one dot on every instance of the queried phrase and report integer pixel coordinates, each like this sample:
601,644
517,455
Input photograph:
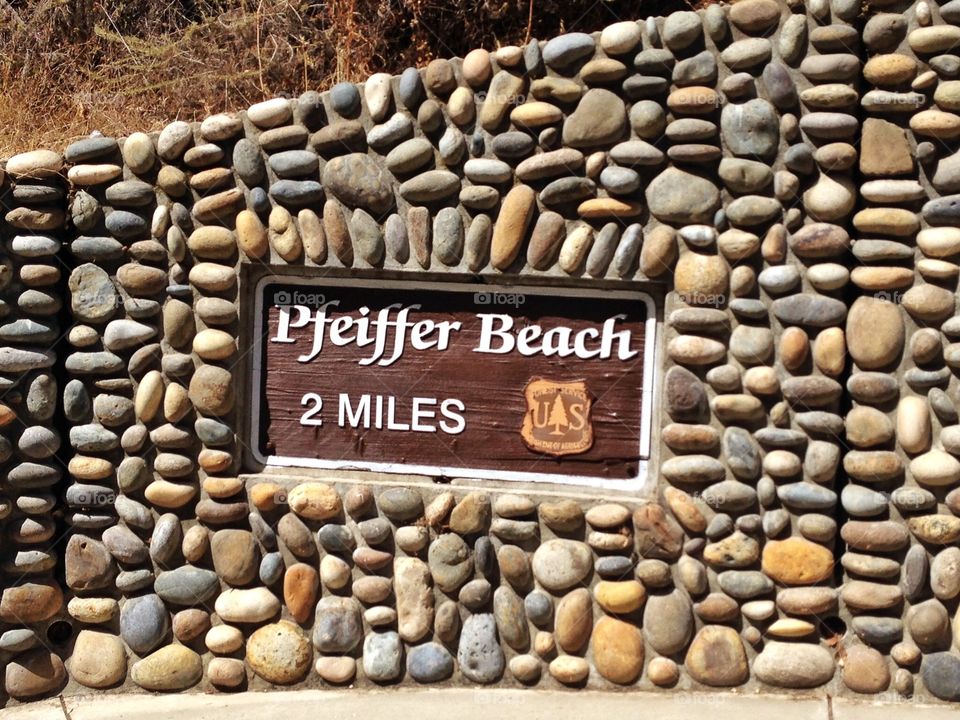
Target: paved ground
468,704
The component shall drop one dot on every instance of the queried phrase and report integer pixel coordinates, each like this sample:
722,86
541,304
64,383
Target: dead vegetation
71,66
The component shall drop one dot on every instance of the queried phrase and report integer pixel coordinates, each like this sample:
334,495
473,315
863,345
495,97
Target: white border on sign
646,406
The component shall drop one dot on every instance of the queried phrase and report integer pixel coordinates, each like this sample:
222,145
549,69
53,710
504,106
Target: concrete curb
468,704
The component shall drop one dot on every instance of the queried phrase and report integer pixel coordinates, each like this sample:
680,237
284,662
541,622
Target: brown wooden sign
520,383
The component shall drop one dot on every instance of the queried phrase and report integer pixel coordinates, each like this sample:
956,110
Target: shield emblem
557,421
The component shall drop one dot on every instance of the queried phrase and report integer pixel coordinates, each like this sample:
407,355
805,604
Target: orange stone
264,495
300,585
796,561
617,650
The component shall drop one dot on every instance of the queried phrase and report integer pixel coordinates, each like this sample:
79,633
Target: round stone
617,650
717,657
430,662
279,653
559,564
679,196
865,670
33,673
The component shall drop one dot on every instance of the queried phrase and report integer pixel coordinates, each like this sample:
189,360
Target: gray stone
271,568
681,29
744,584
941,675
751,129
336,539
294,163
187,585
410,89
701,69
212,432
144,623
338,627
90,148
296,193
861,501
345,99
449,561
794,665
248,162
385,135
383,656
600,119
430,662
479,654
564,50
448,236
358,181
400,504
93,297
668,621
809,310
679,196
96,249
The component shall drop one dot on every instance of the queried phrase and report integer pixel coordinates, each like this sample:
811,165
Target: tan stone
936,124
890,70
881,277
659,251
875,332
913,424
569,669
251,235
884,149
173,667
830,351
701,279
794,347
620,597
265,495
887,221
98,660
867,427
695,100
176,402
336,670
574,620
684,509
170,495
279,653
212,242
516,212
315,501
213,344
89,468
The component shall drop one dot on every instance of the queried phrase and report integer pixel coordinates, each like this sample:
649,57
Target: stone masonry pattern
785,176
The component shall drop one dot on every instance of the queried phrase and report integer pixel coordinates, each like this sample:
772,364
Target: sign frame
648,396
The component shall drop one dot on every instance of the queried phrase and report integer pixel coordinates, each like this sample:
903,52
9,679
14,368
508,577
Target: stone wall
780,177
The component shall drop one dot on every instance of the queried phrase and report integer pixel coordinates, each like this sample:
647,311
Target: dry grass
68,67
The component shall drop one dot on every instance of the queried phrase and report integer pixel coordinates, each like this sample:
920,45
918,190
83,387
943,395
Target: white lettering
448,408
487,334
350,417
387,334
420,414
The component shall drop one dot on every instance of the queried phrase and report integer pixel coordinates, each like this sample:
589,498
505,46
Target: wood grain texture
491,387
